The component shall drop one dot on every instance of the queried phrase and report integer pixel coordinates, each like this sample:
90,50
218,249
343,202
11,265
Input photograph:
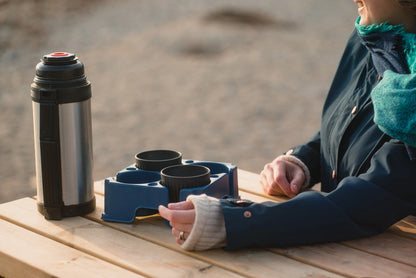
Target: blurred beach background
228,81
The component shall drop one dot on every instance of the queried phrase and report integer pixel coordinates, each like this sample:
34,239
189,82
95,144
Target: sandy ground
231,81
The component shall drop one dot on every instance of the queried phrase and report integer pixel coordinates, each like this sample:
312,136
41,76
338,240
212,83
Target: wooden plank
255,198
27,254
250,262
406,227
388,245
127,251
349,260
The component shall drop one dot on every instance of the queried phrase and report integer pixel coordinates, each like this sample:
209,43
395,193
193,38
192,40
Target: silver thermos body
61,100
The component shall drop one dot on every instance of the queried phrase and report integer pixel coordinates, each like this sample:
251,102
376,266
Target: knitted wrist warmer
297,161
208,231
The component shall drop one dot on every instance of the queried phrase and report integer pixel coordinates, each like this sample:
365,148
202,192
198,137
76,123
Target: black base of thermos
58,212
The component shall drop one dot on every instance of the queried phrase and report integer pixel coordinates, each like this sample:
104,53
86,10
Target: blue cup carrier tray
135,192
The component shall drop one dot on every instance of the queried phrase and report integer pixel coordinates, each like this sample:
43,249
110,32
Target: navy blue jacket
368,180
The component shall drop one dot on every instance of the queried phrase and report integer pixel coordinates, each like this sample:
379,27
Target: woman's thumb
297,181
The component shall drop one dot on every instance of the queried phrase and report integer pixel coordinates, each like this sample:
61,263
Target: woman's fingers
184,205
177,233
274,180
177,216
281,174
297,180
181,217
282,178
267,181
165,212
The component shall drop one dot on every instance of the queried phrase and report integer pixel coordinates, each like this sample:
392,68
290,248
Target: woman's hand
282,177
181,217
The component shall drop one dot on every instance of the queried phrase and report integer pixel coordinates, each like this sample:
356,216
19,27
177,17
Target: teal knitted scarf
394,98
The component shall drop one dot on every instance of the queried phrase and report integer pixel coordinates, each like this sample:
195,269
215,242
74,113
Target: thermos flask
61,101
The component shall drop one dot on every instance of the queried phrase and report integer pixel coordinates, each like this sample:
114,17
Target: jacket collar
386,51
385,43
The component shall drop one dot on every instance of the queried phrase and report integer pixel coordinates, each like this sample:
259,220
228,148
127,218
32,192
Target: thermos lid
60,78
60,66
59,57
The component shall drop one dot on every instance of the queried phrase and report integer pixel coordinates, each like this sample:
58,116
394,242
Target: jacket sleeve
360,206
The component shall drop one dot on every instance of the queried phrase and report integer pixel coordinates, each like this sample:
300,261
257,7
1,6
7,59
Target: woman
364,154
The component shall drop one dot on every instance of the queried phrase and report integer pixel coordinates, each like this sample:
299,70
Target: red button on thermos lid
59,54
59,57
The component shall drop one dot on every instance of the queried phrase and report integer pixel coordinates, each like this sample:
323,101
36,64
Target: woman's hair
409,4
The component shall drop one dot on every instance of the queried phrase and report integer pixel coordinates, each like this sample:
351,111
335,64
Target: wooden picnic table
31,246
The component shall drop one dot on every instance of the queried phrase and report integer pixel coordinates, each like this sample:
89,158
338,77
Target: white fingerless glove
208,231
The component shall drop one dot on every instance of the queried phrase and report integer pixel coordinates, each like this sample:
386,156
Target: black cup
178,177
156,160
